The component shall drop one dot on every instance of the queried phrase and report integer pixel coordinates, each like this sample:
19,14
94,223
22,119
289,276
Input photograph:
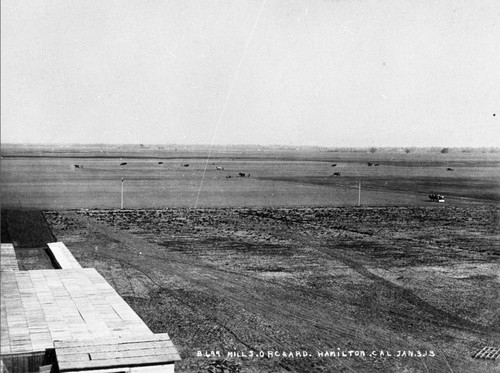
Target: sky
343,73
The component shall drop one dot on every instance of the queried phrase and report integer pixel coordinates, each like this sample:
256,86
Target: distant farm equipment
436,197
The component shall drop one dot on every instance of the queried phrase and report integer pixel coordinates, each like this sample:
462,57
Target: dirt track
305,279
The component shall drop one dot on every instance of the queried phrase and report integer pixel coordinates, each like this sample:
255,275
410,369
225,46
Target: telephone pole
121,205
359,193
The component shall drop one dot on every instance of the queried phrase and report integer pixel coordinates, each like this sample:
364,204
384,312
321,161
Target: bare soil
239,283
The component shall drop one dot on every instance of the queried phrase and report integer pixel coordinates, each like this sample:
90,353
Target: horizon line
288,146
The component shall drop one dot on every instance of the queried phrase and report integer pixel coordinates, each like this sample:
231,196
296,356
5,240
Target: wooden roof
8,260
148,349
63,256
41,306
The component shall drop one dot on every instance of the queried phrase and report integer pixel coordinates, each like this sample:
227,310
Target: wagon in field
436,198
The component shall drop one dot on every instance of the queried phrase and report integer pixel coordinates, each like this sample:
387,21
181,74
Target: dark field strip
4,231
484,189
26,228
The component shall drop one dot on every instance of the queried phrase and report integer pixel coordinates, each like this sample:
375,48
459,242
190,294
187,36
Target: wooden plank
118,362
106,357
8,260
78,312
149,337
154,347
63,256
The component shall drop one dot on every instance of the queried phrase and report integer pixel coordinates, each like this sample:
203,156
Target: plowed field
289,289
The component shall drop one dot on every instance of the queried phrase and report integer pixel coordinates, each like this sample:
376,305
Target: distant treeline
137,148
416,150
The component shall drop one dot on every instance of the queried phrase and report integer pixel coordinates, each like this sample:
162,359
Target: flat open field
281,271
49,180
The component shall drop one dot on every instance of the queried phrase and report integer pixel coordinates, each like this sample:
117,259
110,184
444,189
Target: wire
227,100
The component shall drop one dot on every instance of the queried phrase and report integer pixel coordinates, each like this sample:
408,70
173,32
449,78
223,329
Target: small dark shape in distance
185,165
336,174
123,163
241,174
334,165
369,163
449,169
436,197
377,164
160,162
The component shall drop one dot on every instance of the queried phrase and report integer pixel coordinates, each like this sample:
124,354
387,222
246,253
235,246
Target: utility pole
121,205
359,193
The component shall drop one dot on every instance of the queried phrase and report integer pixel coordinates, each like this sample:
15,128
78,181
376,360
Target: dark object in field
436,197
334,165
241,174
160,162
336,174
78,165
369,163
185,165
377,164
123,163
449,169
228,176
